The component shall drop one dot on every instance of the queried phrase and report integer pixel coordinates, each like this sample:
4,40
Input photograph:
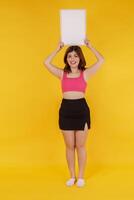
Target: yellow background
32,150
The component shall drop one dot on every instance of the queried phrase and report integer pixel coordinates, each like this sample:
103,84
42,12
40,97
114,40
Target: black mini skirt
73,114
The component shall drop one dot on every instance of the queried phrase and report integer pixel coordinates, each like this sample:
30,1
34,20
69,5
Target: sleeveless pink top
73,84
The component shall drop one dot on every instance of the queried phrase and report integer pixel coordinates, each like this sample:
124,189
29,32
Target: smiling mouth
72,63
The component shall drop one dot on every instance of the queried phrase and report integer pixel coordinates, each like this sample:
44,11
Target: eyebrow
74,54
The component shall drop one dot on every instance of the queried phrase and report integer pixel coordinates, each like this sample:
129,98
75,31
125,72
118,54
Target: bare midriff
73,95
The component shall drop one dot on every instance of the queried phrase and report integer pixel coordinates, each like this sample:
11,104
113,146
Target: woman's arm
52,68
100,59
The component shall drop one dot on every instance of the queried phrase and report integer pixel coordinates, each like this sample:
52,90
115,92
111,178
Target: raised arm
52,68
100,59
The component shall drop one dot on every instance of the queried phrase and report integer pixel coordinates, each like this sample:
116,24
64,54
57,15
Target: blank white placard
73,26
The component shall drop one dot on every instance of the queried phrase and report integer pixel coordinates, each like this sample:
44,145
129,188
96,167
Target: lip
73,63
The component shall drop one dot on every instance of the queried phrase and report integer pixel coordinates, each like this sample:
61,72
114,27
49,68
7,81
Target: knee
80,146
70,146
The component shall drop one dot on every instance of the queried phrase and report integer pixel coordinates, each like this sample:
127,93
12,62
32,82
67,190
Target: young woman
74,112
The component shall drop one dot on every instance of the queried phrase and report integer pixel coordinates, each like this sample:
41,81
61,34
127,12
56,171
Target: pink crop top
73,84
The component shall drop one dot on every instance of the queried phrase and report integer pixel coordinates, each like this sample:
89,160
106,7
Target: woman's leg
69,140
81,136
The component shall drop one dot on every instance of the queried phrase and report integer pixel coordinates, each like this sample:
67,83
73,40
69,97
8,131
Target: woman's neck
75,71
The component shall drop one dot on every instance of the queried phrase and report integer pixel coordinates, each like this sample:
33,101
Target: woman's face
73,59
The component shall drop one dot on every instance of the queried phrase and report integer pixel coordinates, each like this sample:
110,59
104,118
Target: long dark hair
79,52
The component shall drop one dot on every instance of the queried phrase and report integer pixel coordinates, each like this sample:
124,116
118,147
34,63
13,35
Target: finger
85,40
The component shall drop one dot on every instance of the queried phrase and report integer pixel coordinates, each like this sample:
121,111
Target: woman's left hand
87,42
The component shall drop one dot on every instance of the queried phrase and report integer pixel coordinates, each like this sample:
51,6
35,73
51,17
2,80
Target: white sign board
73,26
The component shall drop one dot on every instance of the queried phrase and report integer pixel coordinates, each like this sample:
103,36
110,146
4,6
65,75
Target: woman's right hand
60,46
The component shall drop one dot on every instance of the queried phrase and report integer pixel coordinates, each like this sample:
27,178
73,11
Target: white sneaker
80,182
70,182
